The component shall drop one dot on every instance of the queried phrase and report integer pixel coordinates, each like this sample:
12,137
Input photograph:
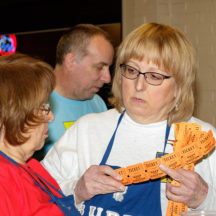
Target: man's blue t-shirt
66,112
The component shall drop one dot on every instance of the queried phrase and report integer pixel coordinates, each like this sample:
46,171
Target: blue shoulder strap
40,177
166,137
109,148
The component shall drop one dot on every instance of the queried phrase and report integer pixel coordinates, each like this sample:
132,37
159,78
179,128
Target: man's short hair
77,39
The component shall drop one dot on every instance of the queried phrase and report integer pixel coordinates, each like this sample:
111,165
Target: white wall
197,20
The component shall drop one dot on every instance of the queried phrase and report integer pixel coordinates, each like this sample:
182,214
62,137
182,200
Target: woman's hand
192,191
97,180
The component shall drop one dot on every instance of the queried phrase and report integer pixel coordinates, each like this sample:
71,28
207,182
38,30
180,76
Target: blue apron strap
45,190
18,165
126,203
109,148
166,137
65,203
56,189
12,161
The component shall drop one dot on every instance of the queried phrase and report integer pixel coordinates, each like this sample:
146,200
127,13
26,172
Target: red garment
20,196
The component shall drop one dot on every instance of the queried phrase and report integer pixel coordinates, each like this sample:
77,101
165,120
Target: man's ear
69,60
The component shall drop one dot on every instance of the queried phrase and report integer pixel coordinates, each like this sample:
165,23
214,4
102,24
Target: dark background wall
30,15
38,24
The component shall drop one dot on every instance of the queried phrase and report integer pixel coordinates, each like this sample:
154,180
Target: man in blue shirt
83,57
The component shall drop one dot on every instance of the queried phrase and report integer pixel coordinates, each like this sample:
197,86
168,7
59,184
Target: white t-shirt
85,143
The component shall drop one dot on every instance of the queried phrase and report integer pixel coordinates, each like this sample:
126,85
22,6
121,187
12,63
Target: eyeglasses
46,108
152,78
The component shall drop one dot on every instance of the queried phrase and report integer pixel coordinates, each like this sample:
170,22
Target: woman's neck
146,120
13,152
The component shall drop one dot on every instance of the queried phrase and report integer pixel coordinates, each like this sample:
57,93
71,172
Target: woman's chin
41,146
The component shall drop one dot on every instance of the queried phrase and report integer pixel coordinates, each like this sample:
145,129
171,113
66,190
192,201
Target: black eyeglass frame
46,108
143,73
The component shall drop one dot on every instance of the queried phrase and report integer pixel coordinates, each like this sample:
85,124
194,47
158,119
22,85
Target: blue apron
142,199
65,203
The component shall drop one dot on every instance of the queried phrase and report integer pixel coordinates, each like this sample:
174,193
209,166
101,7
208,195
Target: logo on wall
8,44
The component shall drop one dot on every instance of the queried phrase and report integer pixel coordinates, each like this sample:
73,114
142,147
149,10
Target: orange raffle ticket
191,144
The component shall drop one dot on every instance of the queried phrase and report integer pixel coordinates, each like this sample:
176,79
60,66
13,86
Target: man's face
90,74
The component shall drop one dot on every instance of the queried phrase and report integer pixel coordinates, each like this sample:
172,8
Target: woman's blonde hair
169,50
25,85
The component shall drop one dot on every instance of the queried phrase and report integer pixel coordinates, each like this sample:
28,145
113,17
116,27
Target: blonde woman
153,90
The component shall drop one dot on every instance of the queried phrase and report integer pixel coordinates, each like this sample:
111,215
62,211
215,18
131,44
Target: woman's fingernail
119,178
161,166
122,188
